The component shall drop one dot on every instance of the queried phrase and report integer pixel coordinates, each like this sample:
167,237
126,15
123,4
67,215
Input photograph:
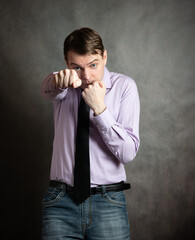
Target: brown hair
83,41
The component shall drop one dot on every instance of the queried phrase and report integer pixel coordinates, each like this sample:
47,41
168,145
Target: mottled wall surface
151,41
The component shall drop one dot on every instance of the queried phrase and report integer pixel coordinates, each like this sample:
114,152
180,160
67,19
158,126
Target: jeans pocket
52,195
116,198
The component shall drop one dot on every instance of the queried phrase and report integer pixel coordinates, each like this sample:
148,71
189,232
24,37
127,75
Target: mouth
86,84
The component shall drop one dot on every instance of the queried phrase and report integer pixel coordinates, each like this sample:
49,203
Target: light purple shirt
114,134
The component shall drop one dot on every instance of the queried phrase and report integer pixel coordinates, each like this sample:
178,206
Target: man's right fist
66,78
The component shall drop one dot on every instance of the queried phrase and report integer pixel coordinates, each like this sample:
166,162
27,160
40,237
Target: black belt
94,190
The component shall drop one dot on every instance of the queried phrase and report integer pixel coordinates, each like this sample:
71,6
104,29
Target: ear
105,57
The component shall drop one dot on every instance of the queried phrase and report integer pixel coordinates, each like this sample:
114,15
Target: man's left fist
94,96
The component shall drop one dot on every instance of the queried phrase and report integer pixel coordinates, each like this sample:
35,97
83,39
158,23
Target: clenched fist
66,78
94,96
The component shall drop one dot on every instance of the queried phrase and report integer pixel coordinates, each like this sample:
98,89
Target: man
85,198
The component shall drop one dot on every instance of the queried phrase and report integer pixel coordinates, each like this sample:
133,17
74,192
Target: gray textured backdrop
151,41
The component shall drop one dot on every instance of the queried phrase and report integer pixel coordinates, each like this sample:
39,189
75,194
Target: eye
77,69
93,65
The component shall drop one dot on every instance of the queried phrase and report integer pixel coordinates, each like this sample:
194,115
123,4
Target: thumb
74,79
77,83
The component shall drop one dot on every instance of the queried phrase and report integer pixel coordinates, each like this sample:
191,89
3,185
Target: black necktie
82,163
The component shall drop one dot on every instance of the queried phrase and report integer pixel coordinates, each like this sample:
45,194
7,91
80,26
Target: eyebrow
87,63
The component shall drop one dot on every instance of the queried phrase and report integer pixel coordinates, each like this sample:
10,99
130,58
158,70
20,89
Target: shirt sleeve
49,91
122,135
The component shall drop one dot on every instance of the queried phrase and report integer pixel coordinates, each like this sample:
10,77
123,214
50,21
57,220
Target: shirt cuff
104,121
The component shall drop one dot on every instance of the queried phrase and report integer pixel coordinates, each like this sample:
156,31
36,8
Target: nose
86,75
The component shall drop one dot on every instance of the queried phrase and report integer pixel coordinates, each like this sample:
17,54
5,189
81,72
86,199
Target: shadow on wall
24,168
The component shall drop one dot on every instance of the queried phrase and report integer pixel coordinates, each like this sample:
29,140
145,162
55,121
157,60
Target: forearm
123,142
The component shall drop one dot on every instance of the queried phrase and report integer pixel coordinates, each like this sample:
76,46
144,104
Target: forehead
78,59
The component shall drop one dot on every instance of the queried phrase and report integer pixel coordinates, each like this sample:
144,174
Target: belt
94,190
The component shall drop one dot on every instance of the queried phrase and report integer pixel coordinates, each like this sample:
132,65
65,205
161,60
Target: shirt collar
107,79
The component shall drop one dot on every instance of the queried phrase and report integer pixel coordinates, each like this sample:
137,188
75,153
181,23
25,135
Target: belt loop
103,190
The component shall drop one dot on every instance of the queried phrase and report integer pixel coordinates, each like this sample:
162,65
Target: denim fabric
100,217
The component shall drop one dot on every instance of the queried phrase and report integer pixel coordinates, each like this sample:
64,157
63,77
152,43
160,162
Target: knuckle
61,74
66,71
73,74
55,79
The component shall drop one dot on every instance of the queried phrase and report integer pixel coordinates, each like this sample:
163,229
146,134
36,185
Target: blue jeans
100,217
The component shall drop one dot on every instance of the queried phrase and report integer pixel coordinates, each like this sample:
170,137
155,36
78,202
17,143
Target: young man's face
89,68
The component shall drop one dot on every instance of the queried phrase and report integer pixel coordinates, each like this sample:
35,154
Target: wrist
99,110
